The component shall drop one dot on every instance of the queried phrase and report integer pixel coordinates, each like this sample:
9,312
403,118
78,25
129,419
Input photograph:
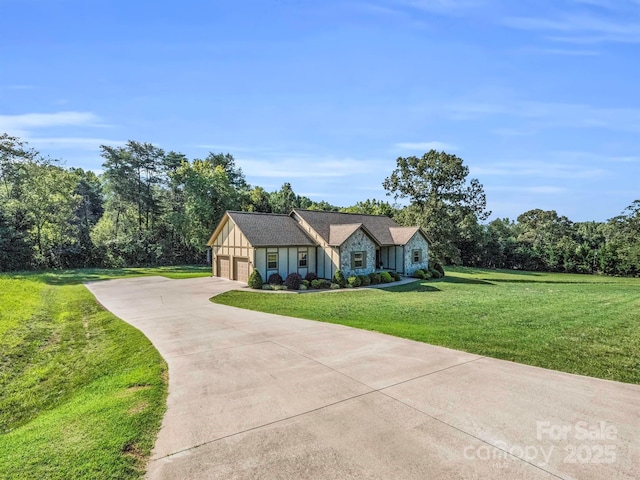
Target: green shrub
428,274
338,278
349,285
434,273
255,279
310,277
418,274
293,281
375,278
365,280
396,276
266,286
354,281
275,279
280,287
306,283
385,277
320,283
303,287
335,286
437,267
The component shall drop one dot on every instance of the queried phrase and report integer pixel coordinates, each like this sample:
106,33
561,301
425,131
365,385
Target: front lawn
582,324
82,393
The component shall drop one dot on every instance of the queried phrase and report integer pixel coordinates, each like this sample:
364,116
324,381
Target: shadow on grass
78,276
476,271
550,282
417,287
468,281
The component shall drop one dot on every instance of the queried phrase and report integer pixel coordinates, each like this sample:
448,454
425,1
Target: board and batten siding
287,261
231,243
388,257
400,260
326,257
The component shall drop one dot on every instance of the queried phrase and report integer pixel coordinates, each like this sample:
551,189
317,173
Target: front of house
314,241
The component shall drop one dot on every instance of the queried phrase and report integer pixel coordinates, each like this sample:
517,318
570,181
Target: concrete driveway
256,396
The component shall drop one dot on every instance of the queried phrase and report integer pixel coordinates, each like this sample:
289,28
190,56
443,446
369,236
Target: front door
378,259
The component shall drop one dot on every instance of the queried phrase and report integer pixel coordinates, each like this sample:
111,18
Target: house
314,241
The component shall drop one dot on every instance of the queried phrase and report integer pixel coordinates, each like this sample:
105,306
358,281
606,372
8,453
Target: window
272,261
358,260
302,259
417,256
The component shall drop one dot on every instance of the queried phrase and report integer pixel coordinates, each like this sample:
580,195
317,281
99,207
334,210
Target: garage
241,269
223,269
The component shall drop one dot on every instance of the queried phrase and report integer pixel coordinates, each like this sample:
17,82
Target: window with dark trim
302,259
417,256
272,261
358,260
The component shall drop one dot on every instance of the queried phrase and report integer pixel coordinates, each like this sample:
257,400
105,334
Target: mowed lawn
82,393
589,325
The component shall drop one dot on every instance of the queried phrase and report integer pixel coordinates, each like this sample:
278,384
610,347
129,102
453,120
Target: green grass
582,324
82,393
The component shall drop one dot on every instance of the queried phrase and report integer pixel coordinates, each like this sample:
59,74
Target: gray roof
401,235
338,234
377,225
270,229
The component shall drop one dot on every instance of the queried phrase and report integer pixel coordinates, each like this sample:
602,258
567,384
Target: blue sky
540,98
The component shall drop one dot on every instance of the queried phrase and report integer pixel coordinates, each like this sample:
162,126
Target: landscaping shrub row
295,281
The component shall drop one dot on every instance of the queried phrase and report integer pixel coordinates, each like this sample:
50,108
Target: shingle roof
339,233
270,229
401,235
322,221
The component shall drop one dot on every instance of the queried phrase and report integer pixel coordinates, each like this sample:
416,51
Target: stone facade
358,242
417,242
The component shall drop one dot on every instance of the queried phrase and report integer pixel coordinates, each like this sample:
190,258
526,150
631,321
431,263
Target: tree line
153,207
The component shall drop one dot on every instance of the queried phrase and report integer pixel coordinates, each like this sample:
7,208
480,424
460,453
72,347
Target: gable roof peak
338,213
266,229
376,225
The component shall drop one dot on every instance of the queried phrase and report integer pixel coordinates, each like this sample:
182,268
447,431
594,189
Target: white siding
283,262
388,257
293,261
261,262
400,260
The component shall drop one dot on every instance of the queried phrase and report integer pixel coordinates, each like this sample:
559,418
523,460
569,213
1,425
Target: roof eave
225,218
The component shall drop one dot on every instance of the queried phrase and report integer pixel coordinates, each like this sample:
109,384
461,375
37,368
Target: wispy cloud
426,146
549,115
82,143
541,189
33,128
574,52
303,166
537,169
20,87
44,120
584,22
442,6
512,132
594,158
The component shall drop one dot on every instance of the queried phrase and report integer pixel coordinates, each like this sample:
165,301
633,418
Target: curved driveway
256,396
